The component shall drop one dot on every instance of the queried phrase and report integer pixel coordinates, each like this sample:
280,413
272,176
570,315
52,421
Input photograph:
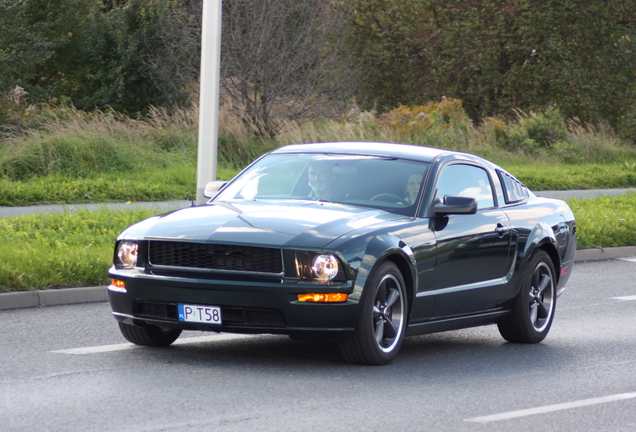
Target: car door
472,250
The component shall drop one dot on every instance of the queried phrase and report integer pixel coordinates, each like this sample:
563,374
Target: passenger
413,185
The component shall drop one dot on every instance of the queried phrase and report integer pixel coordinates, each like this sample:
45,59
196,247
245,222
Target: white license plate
200,314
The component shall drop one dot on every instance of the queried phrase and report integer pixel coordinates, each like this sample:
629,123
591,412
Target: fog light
323,298
117,285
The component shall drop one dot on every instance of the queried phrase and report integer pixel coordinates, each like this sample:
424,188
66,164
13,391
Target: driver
320,180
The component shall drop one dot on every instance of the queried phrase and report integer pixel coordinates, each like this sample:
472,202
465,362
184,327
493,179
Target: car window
514,190
467,181
373,181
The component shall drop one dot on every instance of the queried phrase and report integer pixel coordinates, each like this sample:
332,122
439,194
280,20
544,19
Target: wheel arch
551,249
404,266
543,237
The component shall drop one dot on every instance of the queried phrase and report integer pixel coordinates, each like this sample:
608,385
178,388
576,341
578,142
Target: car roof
426,154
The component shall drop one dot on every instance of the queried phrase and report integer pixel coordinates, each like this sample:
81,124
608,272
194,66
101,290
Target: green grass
570,177
110,157
606,221
75,249
60,250
177,182
75,157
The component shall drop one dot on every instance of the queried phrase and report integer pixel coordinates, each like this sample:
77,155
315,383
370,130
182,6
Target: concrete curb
64,296
605,254
52,297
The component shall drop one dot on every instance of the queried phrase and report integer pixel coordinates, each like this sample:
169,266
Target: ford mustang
365,243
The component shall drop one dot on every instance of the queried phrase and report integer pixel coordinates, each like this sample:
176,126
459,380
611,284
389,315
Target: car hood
303,224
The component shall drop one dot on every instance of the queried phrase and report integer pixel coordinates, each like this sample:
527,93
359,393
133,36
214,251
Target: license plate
200,314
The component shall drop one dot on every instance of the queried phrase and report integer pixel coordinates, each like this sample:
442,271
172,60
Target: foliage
75,248
605,222
291,59
284,59
498,56
108,156
80,50
151,185
60,250
568,177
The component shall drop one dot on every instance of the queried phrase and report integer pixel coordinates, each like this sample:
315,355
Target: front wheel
533,309
382,321
149,336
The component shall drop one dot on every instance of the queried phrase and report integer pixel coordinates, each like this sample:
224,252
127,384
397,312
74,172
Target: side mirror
454,204
213,187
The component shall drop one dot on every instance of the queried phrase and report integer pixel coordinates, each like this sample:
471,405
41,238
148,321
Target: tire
533,309
382,322
149,336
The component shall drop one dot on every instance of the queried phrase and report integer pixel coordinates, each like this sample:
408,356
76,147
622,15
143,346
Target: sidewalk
54,297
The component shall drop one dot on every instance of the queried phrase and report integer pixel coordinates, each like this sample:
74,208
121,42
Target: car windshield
379,182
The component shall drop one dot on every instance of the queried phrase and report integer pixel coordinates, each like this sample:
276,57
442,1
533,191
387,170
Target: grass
62,155
605,222
72,155
75,248
60,250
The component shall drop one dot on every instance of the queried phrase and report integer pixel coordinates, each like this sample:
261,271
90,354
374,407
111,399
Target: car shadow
469,351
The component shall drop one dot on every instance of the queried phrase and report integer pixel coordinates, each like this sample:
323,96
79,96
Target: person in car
413,187
320,181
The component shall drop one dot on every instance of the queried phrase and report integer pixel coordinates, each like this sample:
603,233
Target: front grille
215,256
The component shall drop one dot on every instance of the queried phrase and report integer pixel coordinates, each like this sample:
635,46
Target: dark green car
363,242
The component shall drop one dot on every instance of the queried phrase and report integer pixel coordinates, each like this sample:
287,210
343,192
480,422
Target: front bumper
246,306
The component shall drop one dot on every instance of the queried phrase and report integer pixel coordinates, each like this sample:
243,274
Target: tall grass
73,156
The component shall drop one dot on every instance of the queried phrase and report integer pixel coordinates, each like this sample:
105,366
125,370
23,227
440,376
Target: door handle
502,229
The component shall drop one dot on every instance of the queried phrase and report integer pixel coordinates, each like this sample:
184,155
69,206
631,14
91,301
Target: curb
52,297
65,296
605,254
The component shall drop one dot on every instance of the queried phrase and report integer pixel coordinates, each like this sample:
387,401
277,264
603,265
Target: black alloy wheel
382,322
533,309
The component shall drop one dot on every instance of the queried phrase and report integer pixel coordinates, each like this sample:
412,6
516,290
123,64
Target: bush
605,222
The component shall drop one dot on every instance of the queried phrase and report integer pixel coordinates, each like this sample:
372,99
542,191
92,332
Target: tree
284,58
496,56
94,52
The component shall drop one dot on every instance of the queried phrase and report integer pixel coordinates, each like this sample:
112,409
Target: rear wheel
149,336
533,309
382,322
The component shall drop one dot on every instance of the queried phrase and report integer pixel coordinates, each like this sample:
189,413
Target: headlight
126,255
323,267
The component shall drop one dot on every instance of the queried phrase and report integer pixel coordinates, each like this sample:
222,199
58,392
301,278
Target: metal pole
209,95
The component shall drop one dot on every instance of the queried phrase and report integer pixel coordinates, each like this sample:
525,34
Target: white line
630,259
129,346
625,298
551,408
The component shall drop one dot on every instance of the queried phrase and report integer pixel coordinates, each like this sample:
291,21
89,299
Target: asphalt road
68,368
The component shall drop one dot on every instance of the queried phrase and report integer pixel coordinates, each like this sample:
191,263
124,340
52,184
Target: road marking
625,298
129,346
630,259
551,408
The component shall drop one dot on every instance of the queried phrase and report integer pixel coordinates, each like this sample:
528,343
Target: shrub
605,222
